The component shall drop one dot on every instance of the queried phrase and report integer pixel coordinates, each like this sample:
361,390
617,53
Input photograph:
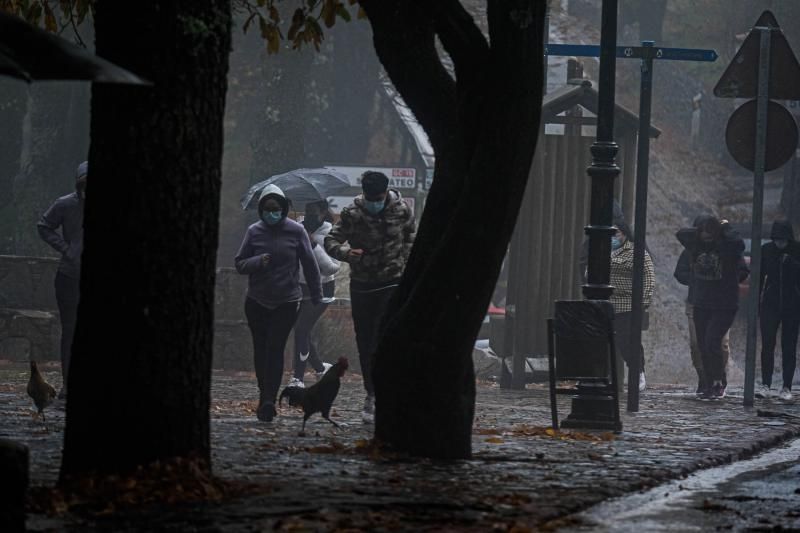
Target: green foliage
304,27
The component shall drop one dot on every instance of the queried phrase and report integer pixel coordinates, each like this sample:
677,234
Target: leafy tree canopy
305,23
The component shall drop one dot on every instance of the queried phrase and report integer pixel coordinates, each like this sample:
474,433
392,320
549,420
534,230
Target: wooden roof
582,93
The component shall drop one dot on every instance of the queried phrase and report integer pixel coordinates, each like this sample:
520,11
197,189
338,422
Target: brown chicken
41,391
319,397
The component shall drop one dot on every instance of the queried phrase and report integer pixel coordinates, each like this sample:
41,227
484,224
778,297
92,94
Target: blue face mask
271,218
374,207
616,243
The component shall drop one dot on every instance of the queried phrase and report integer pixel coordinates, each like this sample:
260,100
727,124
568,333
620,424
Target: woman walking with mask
271,254
621,298
317,224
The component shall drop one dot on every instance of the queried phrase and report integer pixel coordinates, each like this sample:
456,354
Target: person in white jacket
317,224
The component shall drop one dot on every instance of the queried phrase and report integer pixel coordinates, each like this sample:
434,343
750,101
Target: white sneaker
762,391
326,367
642,382
785,394
294,382
368,414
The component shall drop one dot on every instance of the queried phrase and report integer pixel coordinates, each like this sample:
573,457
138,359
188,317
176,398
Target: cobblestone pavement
521,475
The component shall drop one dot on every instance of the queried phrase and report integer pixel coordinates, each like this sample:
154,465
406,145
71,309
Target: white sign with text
399,178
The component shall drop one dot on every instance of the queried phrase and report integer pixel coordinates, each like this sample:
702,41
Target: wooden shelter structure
544,255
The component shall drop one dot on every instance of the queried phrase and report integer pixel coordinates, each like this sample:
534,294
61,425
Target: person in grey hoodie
66,213
316,222
271,254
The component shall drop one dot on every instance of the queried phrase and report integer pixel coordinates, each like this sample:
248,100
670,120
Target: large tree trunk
483,127
139,387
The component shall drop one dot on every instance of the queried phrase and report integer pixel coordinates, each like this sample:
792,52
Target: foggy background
306,109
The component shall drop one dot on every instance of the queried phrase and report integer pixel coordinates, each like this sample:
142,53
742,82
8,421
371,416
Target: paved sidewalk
521,476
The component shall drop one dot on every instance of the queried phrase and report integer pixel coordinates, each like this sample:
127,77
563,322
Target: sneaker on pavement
642,382
326,367
368,414
785,394
717,390
294,382
762,391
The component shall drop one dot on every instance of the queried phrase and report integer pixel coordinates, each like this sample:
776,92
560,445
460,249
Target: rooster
319,397
41,391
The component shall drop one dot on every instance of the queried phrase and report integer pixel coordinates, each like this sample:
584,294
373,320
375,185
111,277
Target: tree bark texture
139,387
483,125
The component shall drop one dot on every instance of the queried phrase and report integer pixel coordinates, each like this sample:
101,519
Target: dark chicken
319,397
41,391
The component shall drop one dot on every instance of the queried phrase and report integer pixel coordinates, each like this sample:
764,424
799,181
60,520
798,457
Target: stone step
27,334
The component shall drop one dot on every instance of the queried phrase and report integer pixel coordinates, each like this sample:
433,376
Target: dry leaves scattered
525,430
179,480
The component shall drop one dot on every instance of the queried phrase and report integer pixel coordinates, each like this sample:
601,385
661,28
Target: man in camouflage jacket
374,236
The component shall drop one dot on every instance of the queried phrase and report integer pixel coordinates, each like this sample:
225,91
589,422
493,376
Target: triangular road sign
740,79
767,19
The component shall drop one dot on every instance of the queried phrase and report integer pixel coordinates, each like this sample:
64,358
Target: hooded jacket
66,213
780,271
277,281
328,267
717,267
386,239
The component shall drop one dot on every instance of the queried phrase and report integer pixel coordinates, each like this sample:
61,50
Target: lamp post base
592,412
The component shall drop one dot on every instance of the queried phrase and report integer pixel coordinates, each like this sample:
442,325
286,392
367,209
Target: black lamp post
604,169
590,410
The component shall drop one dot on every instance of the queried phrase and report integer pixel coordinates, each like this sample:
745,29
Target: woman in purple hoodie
271,254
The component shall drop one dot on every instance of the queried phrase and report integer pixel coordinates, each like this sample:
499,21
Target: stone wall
29,325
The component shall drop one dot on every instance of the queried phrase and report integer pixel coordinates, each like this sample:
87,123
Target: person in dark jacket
683,274
66,213
271,254
717,266
779,306
374,236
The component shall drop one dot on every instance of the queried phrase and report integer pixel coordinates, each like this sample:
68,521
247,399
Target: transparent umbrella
301,186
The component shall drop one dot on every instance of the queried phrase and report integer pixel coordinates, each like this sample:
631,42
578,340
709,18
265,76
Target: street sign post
626,52
647,53
764,67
